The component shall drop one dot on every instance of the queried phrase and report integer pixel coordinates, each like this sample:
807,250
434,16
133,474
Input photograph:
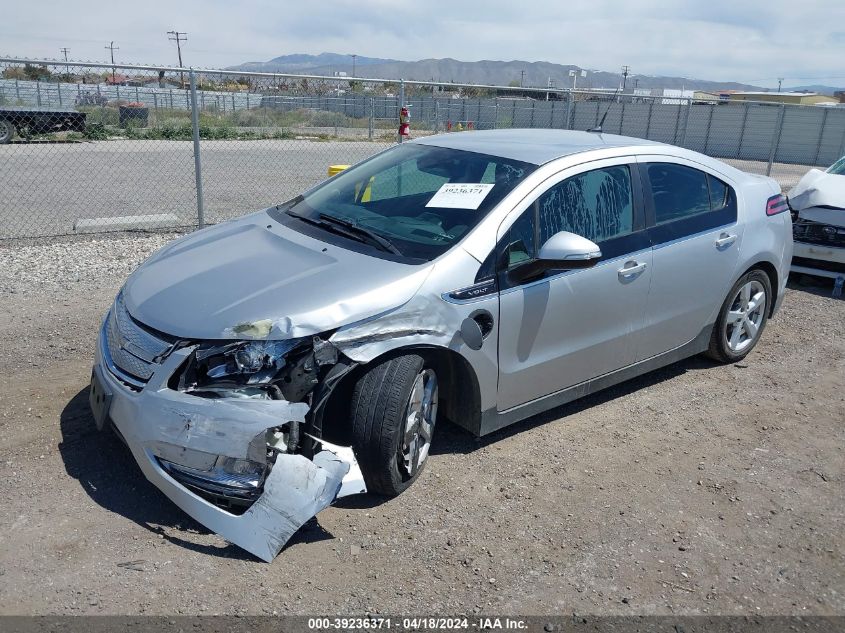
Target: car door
567,327
692,218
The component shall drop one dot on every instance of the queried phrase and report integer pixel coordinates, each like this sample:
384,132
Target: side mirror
562,251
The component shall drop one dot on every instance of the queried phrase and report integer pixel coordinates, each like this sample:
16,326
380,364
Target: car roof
536,146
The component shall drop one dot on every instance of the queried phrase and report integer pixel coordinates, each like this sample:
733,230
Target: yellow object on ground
334,170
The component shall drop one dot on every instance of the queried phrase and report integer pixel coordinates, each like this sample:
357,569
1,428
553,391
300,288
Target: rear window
399,195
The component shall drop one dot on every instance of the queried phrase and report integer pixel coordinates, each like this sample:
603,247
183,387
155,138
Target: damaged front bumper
180,440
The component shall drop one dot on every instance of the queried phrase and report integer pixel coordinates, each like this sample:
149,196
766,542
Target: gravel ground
697,489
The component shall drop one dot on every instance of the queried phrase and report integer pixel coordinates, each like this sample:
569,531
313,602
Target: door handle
631,269
724,240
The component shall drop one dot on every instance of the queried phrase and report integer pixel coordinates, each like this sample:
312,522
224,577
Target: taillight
777,204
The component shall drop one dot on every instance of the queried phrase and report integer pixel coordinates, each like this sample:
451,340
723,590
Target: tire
393,414
738,328
7,131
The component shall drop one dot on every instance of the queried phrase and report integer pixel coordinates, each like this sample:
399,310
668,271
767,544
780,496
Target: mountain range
516,72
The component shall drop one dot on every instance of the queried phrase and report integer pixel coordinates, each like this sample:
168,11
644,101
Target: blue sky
754,41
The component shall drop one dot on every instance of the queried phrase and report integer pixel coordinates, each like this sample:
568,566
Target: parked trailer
27,121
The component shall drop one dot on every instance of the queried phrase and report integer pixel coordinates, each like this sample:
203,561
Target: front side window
597,204
394,202
520,246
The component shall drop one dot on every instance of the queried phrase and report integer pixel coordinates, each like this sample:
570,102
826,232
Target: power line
112,48
179,37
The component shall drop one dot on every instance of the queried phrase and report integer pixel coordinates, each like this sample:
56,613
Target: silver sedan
262,368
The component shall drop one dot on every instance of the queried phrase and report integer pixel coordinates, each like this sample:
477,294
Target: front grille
133,349
818,233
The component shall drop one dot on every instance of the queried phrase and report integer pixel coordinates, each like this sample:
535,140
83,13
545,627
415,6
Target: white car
818,205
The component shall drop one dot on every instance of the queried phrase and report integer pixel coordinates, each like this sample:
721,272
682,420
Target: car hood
245,279
818,189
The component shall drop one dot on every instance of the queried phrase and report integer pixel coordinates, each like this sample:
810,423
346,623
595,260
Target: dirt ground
697,489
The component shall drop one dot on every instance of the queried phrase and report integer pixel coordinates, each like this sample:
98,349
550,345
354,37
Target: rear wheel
394,410
742,318
7,131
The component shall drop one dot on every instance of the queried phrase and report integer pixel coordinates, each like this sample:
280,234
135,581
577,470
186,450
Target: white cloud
754,41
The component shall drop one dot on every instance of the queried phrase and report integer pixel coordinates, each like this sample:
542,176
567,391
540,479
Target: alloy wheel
419,422
746,314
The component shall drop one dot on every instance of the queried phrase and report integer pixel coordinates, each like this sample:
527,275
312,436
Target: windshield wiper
348,230
383,242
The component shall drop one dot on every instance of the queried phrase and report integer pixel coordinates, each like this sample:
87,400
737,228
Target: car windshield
412,201
838,167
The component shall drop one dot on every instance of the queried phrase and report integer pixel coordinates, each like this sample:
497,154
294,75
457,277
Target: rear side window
678,191
687,201
721,195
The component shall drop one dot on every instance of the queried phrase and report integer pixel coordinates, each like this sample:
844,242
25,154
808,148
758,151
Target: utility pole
521,78
625,70
780,81
574,74
353,56
179,37
112,48
66,50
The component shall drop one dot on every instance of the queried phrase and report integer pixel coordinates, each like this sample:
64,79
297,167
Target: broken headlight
242,362
278,370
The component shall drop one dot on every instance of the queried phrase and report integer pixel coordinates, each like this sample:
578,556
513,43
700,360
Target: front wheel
742,318
393,411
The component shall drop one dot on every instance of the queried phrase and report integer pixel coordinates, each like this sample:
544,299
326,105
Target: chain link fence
95,148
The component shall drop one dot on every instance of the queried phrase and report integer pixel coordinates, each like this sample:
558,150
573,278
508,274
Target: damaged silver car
262,368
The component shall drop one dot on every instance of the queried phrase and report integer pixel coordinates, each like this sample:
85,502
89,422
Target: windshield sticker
460,196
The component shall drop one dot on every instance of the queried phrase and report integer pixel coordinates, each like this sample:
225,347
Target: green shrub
96,132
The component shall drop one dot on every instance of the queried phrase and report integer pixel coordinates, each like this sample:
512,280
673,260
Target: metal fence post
195,124
59,91
371,106
622,118
648,120
38,93
775,139
686,123
841,151
436,116
17,90
742,130
707,131
821,136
